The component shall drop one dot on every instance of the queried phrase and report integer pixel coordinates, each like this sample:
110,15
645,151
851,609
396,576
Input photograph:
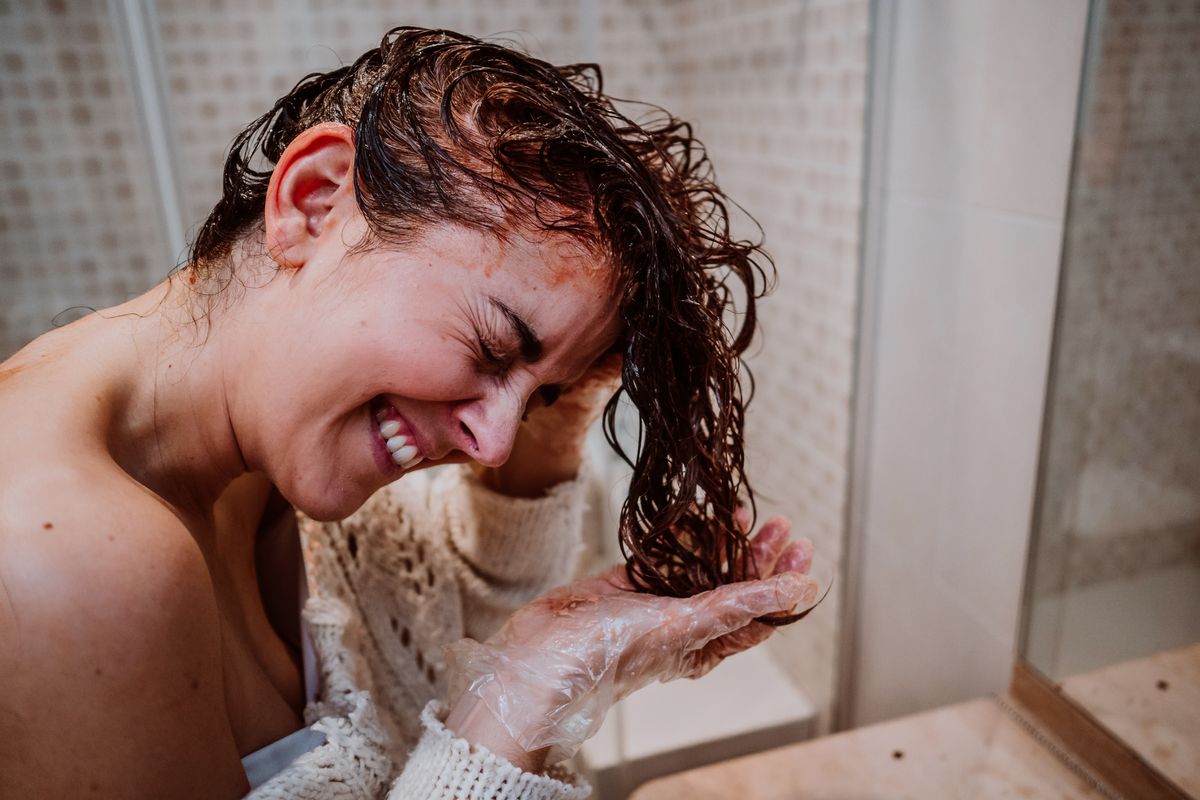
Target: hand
551,673
549,446
772,552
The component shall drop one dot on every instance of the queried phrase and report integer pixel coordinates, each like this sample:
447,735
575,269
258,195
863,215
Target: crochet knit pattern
426,561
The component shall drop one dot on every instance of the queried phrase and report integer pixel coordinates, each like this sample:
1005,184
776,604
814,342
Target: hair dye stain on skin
5,374
574,264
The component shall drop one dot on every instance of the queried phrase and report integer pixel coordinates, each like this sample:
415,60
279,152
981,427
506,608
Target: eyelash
501,364
488,353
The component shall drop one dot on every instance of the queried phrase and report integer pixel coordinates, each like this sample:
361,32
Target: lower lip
383,458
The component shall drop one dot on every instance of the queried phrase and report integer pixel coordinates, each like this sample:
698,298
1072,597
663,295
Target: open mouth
396,435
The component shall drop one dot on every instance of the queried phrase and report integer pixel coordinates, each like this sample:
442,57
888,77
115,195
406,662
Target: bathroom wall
972,128
227,62
79,220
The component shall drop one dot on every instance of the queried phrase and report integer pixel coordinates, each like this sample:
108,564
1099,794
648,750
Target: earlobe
314,174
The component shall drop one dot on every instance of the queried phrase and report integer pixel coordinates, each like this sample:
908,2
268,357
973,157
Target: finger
741,639
765,547
603,373
796,557
741,517
702,661
768,544
733,606
609,366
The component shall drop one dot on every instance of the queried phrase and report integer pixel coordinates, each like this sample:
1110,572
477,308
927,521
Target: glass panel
1114,594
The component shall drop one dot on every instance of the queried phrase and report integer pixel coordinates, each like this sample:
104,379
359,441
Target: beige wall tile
987,89
1005,299
1032,53
79,219
966,299
936,70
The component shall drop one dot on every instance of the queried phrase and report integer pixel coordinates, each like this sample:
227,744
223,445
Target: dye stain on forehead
540,259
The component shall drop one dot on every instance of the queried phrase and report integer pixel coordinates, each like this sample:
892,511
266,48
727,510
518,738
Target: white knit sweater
424,563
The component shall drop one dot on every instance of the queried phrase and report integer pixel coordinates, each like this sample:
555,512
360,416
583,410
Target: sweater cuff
510,541
446,767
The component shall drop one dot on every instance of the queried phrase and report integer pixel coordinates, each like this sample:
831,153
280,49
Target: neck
171,426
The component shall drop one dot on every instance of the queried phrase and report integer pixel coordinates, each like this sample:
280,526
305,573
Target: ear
313,177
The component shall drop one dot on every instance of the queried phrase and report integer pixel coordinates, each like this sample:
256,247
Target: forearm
471,720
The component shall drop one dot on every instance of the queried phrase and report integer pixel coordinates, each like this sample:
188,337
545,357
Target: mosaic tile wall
228,62
1122,490
777,90
79,219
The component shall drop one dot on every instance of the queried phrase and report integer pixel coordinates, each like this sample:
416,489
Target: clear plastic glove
552,672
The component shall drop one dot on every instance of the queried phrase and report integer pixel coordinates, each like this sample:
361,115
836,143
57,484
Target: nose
489,426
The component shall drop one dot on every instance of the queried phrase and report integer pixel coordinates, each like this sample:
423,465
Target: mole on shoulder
47,526
195,683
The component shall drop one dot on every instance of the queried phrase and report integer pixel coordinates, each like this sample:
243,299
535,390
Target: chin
332,504
325,513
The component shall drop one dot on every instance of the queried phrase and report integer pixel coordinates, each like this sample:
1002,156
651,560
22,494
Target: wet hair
450,128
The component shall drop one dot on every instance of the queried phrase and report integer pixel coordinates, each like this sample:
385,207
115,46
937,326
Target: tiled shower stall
115,119
910,164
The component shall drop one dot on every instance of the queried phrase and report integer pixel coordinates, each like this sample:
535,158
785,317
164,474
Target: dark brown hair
452,128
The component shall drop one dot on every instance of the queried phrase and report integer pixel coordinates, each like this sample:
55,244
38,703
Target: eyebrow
531,345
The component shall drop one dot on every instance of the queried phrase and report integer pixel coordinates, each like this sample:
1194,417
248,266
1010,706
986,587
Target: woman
412,254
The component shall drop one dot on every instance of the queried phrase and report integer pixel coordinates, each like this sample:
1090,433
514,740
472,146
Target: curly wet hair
450,128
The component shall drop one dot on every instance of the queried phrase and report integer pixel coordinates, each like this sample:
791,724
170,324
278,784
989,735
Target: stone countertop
969,750
1153,705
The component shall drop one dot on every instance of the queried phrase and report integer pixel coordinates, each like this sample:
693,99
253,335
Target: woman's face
445,342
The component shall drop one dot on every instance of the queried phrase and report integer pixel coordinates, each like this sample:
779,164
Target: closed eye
491,355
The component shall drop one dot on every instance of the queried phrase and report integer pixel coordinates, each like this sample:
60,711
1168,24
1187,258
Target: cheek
442,381
434,368
367,355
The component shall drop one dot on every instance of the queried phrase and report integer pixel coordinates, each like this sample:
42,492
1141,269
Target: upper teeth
403,451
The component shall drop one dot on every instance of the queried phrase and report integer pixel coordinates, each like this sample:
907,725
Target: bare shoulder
110,649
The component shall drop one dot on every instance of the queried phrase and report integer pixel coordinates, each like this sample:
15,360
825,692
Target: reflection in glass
1114,594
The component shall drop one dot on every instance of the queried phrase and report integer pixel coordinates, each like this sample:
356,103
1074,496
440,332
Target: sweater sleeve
505,551
445,767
